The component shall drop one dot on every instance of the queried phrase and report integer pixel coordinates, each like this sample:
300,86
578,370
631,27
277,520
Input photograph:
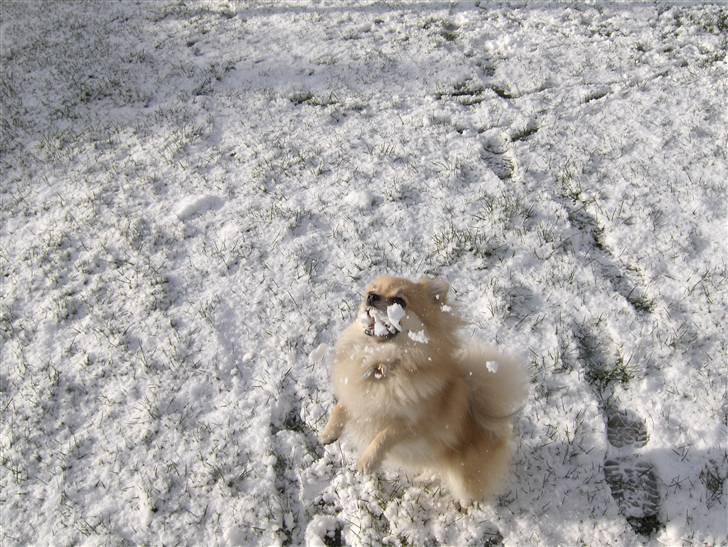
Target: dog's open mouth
378,328
383,325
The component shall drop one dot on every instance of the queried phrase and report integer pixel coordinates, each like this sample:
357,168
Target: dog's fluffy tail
498,386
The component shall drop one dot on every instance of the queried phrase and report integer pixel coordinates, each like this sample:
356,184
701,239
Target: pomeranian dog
412,394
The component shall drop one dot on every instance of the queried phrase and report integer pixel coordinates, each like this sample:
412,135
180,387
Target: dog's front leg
374,453
335,425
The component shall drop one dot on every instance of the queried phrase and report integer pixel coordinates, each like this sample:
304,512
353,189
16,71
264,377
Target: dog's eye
400,301
372,298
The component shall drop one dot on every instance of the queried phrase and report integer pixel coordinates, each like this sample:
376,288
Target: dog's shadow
559,482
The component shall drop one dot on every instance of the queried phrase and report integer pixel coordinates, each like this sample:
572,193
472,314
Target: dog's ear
437,288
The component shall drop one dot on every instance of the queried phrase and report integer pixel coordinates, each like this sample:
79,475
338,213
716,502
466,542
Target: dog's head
394,307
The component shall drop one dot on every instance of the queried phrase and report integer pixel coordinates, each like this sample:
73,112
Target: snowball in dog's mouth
383,325
379,329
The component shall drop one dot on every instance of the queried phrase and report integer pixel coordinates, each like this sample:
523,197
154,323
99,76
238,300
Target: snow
395,313
196,205
419,336
385,322
380,327
359,199
194,195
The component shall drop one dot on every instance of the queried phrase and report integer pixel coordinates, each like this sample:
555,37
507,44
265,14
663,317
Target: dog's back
497,387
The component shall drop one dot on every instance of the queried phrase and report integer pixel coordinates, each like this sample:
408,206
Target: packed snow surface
194,194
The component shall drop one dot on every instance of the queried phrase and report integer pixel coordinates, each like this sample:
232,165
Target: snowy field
194,194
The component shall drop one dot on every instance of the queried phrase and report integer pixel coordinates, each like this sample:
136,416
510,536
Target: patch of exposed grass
618,372
467,92
309,99
452,242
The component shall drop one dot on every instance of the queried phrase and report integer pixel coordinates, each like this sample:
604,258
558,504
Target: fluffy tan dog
409,392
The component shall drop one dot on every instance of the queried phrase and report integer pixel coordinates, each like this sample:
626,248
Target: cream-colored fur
417,396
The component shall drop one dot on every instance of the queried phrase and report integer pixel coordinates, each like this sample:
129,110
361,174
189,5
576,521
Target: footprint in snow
497,153
634,487
625,428
632,479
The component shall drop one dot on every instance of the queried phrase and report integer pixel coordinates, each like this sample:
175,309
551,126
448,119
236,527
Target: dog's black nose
372,299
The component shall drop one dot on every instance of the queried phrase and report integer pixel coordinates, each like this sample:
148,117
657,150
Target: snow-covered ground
194,194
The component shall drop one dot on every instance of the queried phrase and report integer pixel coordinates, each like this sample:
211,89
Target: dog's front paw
328,436
369,461
335,425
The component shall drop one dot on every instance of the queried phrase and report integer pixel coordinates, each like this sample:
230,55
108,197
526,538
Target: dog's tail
498,386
